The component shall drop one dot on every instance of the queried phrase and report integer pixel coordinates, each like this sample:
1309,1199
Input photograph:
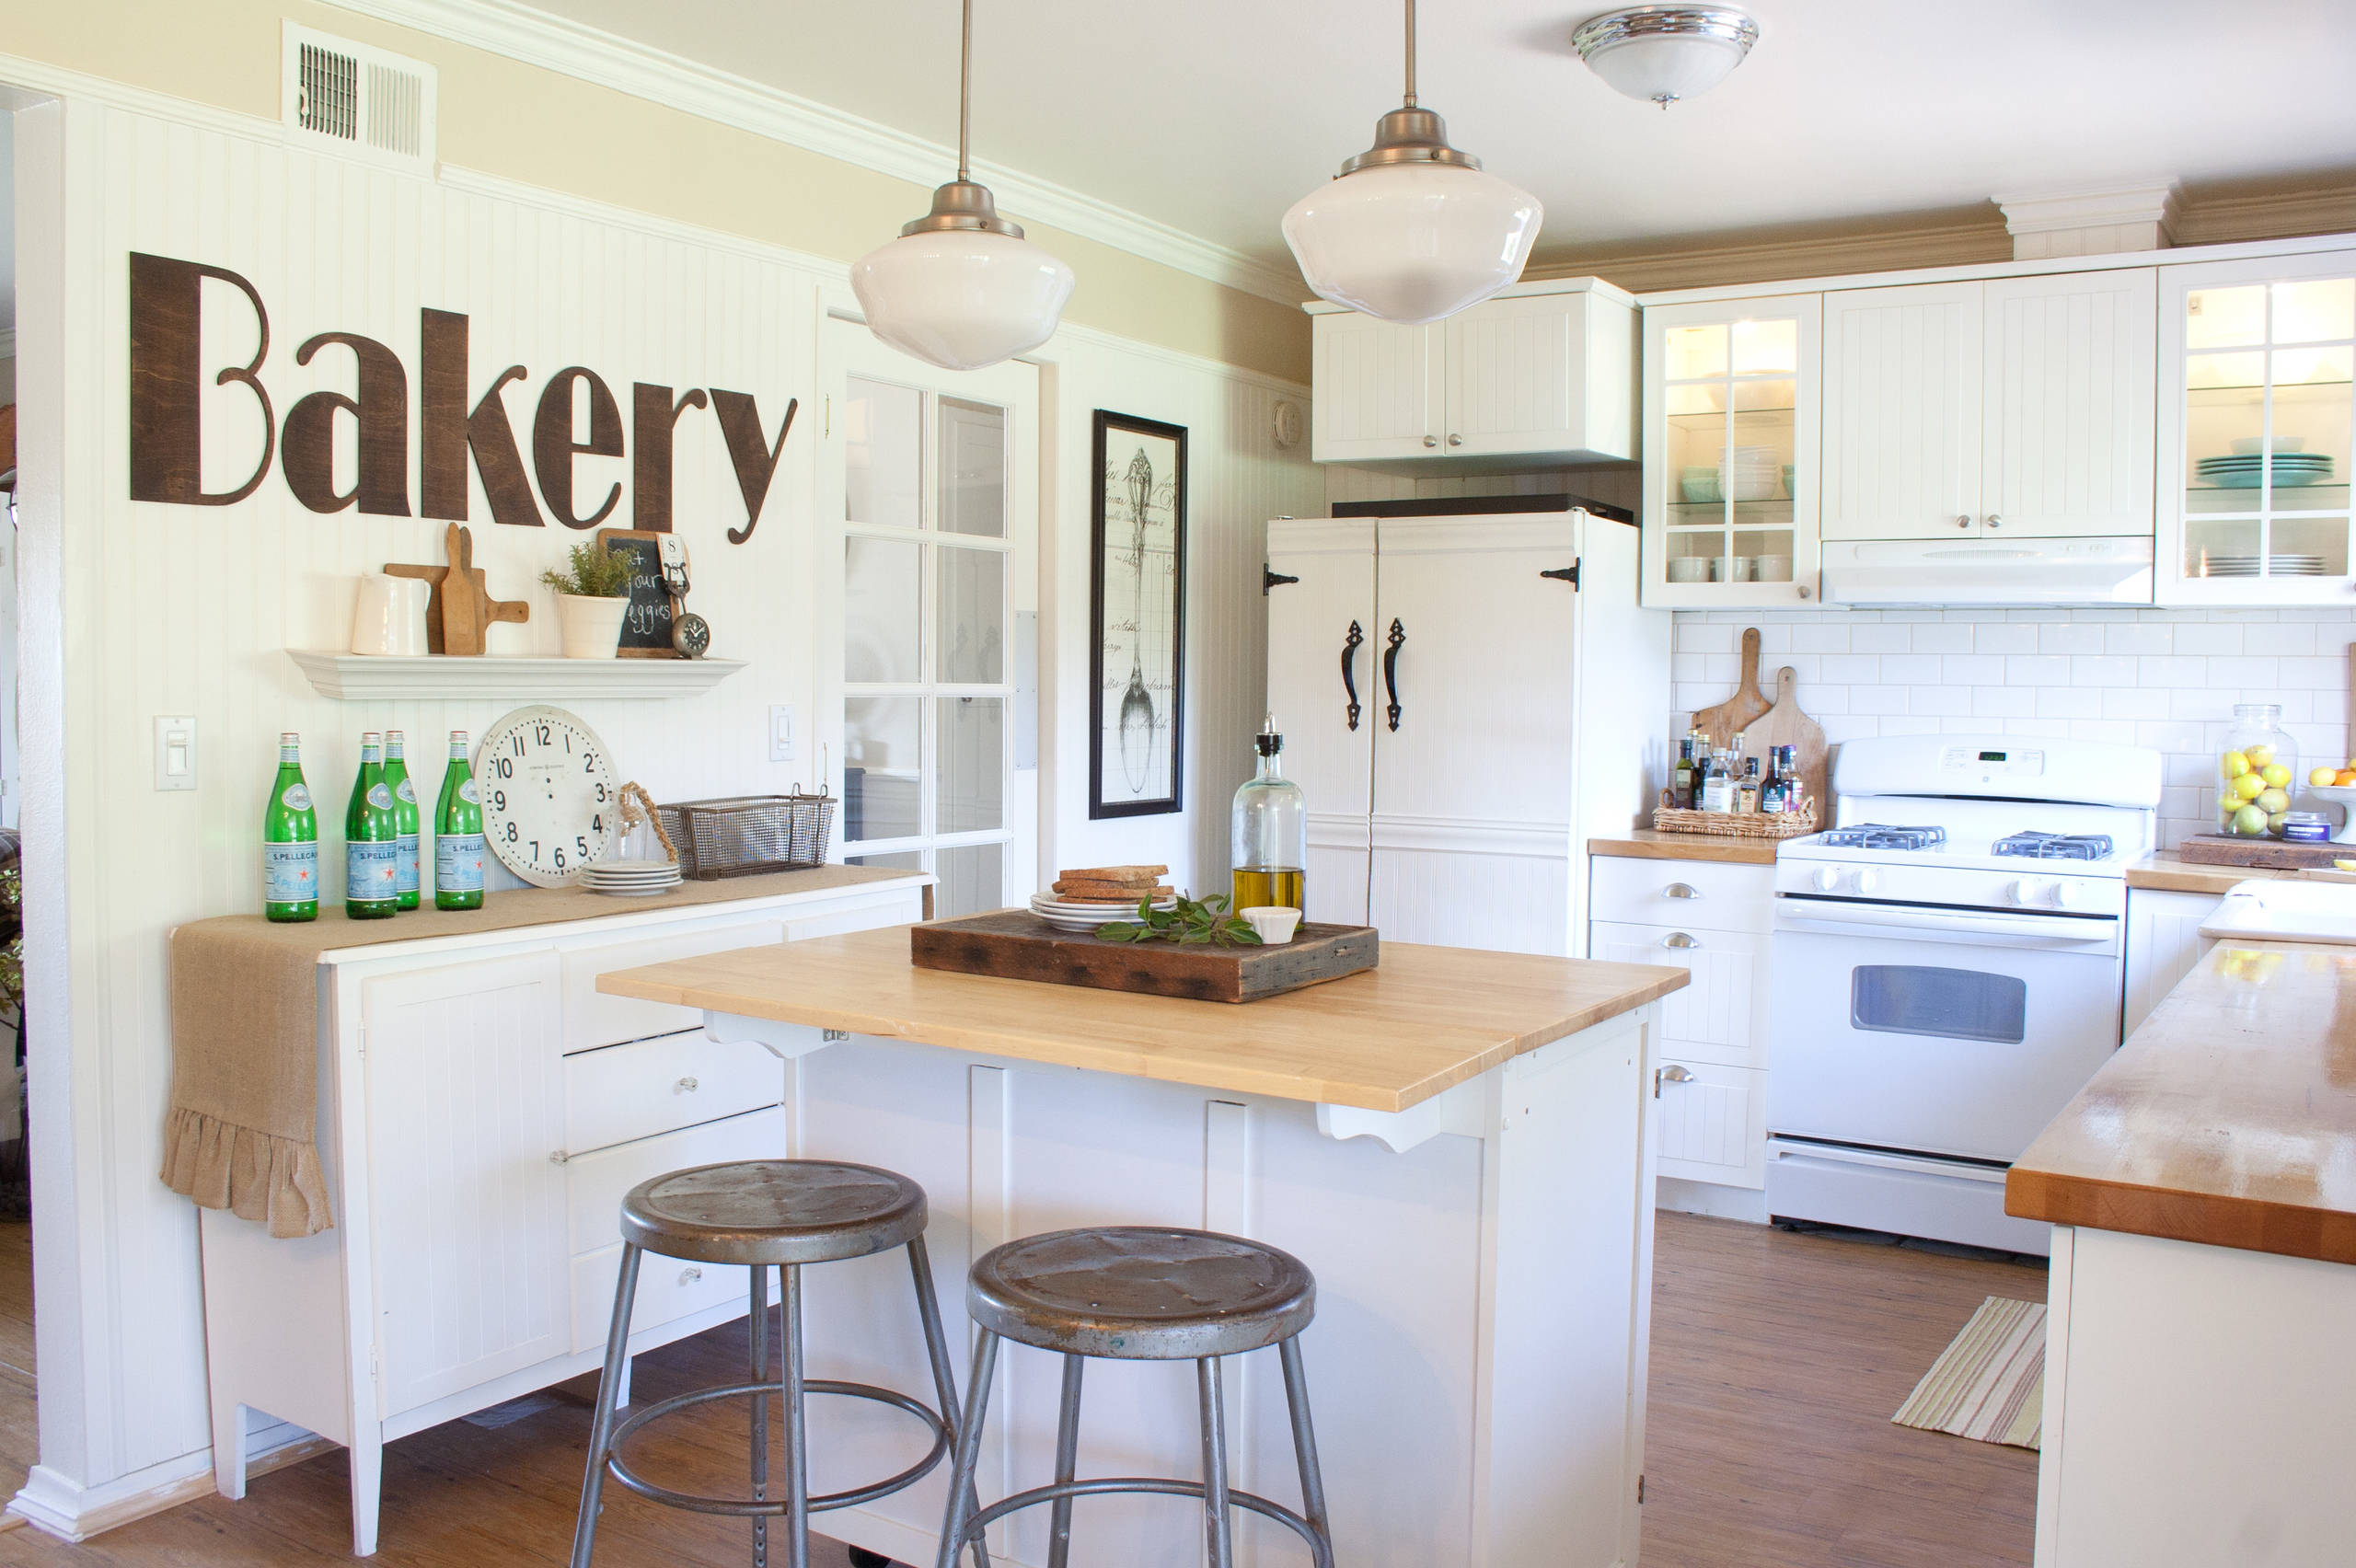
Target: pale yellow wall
552,130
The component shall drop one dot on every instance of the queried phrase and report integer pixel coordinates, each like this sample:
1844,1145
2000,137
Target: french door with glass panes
933,479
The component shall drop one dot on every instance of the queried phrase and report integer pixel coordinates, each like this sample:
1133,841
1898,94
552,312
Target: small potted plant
592,596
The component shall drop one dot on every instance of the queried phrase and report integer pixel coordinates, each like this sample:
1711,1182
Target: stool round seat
1141,1293
773,1212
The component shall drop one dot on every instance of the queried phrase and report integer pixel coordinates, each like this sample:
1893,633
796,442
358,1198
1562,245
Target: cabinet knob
1678,890
1994,521
690,1274
1456,441
1964,522
1678,939
1431,440
1805,590
685,1086
559,1157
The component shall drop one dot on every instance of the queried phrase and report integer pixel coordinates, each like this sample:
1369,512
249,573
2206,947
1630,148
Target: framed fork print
1137,618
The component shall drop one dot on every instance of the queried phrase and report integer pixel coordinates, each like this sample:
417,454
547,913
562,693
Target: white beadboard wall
2167,679
186,610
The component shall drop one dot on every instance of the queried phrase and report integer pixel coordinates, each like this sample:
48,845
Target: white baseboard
76,1513
1675,1193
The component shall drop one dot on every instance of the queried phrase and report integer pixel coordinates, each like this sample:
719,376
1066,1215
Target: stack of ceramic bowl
1083,914
630,879
1757,473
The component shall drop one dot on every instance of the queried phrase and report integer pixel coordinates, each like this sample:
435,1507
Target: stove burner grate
2055,845
1876,835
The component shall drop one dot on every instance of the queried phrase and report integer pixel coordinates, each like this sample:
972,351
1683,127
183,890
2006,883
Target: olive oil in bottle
1271,837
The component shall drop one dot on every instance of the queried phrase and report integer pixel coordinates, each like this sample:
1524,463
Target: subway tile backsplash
2167,679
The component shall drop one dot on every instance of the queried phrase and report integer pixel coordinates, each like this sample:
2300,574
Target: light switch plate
782,731
175,752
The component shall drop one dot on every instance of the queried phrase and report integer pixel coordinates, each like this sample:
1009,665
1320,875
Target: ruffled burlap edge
271,1181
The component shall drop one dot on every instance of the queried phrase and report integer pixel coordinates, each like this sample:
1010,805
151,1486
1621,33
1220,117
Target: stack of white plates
1065,915
2246,566
630,879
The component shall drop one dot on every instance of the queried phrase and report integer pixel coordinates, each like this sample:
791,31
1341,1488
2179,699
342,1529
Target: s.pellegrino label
404,805
290,840
458,834
372,840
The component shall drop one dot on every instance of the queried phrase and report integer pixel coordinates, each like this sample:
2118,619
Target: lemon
2260,755
2320,777
2236,763
2274,773
2249,786
2249,822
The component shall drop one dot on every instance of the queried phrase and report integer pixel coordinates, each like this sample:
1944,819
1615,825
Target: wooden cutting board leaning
1763,724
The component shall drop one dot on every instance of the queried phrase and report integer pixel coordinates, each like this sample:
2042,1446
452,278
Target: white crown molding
518,32
2089,206
1730,259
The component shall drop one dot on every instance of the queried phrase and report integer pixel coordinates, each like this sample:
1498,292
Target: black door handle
1349,669
1390,667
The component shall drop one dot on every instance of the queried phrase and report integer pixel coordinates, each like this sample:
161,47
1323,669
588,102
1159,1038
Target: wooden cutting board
1720,725
1015,944
2225,849
1786,725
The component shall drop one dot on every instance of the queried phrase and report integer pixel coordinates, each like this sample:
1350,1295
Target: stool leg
758,1320
797,1446
1218,1523
1304,1449
1067,1462
944,1377
969,1448
601,1429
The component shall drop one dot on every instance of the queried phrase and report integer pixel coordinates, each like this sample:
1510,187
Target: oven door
1947,1031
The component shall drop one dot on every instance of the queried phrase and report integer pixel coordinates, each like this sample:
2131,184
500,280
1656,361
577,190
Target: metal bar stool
782,1213
1139,1293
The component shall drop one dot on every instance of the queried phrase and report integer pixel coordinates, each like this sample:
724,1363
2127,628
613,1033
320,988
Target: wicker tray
1733,824
749,834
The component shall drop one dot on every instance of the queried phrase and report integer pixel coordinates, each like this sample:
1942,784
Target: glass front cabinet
2255,425
1732,401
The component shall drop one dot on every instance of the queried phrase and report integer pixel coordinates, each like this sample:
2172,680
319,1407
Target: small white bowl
1688,569
2250,445
1274,922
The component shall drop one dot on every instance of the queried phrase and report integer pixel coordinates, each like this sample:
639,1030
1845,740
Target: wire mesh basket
748,833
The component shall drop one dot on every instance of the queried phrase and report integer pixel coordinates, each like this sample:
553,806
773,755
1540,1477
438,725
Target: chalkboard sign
646,629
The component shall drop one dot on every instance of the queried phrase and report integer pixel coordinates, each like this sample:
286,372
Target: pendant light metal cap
1410,134
963,205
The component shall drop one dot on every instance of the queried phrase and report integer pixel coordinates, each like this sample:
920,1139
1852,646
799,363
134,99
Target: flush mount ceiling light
1412,230
961,288
1662,53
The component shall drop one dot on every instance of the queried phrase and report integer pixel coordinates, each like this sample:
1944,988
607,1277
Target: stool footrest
1038,1494
753,1508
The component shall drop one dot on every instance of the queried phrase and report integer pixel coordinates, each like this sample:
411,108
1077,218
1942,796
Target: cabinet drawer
1721,1016
595,1183
1713,1126
593,1019
617,1093
1713,896
668,1289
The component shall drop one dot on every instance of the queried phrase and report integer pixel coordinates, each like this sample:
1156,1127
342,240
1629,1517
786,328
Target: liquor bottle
458,834
404,818
1680,782
1794,787
371,840
290,840
1746,795
1717,791
1771,788
1271,836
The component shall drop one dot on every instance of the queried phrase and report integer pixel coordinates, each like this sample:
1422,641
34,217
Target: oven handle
2035,930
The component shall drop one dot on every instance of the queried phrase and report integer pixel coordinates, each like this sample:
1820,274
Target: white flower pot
592,628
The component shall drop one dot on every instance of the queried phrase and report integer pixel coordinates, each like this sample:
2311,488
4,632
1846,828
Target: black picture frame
1141,713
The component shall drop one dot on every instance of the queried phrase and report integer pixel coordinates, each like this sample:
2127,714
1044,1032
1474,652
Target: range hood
1964,573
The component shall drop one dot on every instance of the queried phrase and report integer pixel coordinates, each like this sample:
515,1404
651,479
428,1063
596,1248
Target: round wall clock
550,803
691,634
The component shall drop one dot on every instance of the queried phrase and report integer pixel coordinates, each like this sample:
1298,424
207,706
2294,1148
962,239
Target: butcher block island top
1428,1019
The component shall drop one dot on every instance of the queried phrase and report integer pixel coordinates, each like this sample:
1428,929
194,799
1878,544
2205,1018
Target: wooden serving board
1721,724
1014,944
1786,725
2222,849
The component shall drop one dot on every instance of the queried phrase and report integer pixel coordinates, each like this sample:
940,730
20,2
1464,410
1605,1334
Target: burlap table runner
239,1134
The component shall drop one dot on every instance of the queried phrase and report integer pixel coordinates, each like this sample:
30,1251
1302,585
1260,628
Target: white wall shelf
358,677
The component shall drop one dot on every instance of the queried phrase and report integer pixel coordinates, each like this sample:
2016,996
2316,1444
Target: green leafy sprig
1187,922
593,572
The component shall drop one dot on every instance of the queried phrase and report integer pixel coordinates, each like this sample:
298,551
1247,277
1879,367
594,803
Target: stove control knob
2022,890
2068,895
1826,879
1867,879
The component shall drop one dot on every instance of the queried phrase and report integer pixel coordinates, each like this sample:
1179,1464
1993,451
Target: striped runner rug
1989,1384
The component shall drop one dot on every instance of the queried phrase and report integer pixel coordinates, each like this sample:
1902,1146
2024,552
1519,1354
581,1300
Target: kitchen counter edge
1651,844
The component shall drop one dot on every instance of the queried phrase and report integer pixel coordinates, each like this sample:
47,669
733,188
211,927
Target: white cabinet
2164,942
2010,408
1543,371
1323,634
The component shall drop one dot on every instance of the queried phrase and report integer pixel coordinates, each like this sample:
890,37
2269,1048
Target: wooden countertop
1649,844
2229,1118
1427,1019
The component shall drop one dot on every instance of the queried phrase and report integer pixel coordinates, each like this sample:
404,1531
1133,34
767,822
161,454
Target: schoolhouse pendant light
961,288
1412,230
1662,53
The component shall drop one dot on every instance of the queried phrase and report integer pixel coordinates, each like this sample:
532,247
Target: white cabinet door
1721,1016
1903,412
2069,382
1322,647
1380,389
1527,375
1712,1123
466,1103
2164,942
1471,832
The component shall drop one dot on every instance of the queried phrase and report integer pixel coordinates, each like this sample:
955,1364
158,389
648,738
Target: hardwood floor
19,1444
1777,1360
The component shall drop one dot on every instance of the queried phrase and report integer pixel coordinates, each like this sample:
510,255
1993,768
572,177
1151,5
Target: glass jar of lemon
2258,773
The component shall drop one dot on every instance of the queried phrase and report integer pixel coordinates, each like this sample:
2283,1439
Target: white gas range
1947,968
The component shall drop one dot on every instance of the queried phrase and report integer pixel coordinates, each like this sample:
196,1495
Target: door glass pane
1695,352
972,781
898,860
2311,426
879,619
883,746
973,469
883,454
973,616
1767,347
2316,311
973,877
1946,1004
2224,319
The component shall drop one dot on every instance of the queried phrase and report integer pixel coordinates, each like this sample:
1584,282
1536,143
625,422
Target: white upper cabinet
2010,408
2256,431
1543,372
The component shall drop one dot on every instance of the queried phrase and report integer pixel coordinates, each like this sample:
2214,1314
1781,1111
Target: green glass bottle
458,834
405,882
371,840
290,840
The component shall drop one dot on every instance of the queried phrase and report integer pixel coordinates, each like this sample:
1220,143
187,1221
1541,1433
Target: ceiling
1215,115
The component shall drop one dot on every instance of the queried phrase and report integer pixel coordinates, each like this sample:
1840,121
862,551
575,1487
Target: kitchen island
1456,1143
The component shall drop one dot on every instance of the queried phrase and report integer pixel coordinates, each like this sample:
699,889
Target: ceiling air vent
361,101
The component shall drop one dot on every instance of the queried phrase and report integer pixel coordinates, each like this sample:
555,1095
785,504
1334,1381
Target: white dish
1688,569
2249,446
1275,923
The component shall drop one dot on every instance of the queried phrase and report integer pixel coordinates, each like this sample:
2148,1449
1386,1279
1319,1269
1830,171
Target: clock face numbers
549,798
691,635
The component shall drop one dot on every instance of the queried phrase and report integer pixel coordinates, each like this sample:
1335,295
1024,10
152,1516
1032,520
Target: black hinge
1569,575
1269,578
1640,1491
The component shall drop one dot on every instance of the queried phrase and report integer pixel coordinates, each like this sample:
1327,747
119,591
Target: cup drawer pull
685,1086
1678,939
1679,890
